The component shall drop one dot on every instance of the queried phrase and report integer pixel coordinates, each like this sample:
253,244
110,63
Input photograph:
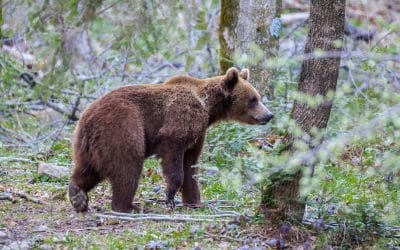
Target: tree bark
318,76
1,19
227,32
245,28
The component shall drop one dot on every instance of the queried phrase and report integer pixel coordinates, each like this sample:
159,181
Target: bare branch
222,215
309,158
10,196
160,217
16,159
28,197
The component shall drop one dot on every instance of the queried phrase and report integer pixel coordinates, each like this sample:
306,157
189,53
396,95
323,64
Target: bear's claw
78,198
170,203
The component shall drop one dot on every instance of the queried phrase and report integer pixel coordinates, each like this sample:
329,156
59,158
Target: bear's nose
266,118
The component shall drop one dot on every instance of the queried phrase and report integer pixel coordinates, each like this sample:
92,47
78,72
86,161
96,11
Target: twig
309,157
233,213
347,55
106,8
55,107
73,116
358,90
383,37
12,133
350,30
290,18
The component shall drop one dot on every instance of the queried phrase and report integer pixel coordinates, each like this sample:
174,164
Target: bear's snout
262,114
263,119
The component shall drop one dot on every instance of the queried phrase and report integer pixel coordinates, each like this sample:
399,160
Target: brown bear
120,130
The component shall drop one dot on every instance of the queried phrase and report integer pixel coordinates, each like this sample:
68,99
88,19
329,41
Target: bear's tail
78,198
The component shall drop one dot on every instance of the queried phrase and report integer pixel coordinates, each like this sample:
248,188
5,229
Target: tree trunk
245,29
318,77
1,19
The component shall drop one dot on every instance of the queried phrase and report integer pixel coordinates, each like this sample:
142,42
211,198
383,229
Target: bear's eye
253,101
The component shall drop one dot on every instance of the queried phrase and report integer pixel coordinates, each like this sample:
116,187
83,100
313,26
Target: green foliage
10,86
225,142
364,187
41,178
354,189
361,206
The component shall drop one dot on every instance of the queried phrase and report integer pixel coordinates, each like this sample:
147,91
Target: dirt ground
35,214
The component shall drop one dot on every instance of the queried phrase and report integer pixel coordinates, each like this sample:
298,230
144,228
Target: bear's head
246,105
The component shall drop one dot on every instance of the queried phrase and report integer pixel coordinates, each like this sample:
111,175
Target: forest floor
35,213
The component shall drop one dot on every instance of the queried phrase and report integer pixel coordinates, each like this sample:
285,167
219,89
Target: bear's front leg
172,164
190,187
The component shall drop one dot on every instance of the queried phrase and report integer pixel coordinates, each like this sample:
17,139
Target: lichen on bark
227,29
243,24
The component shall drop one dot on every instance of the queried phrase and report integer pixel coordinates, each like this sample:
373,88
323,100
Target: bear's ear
231,78
245,74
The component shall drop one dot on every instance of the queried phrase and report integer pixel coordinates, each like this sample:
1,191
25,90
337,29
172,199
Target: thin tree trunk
318,77
227,32
1,18
245,28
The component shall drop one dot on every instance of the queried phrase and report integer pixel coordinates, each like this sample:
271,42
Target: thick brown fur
118,131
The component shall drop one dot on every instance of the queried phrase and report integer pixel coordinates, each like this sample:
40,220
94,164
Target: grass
65,229
360,204
354,200
223,189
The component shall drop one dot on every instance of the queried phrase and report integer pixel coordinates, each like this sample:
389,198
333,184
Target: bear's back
184,80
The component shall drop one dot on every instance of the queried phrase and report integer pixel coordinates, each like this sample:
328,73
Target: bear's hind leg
124,185
82,180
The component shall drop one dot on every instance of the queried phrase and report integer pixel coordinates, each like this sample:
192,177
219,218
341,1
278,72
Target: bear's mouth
265,119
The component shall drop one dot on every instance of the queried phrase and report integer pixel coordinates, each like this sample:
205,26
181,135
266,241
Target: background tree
1,18
57,57
248,35
318,78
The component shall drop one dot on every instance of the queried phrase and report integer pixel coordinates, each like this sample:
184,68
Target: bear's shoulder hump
184,80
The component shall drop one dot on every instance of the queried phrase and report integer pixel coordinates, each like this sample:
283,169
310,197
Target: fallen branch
217,209
7,196
214,236
222,215
28,197
203,203
143,217
16,159
10,196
